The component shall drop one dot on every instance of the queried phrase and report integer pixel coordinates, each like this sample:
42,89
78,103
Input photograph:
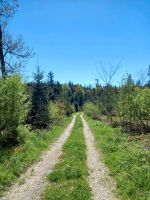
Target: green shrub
14,106
134,106
143,104
69,109
91,110
56,112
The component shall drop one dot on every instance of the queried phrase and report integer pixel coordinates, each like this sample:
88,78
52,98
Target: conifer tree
39,115
50,86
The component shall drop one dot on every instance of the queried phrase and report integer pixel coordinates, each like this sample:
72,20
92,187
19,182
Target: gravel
101,184
34,181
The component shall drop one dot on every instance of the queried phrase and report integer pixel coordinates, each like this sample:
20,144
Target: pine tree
149,76
50,78
39,115
50,86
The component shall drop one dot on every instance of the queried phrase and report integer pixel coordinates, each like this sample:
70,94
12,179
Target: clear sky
70,36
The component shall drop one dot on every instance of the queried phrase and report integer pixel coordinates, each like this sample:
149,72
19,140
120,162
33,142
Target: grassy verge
16,160
128,161
69,179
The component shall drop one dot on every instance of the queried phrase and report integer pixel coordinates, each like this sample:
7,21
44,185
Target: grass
69,179
128,161
16,160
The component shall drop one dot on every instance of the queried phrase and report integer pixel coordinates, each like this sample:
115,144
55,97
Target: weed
16,160
128,161
69,179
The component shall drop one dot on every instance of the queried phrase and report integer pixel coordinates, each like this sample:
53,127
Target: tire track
35,176
99,181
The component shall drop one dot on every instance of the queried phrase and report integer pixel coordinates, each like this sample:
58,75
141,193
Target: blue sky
70,37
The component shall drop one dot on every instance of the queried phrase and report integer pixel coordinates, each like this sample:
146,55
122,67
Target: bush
56,112
91,110
69,109
143,104
14,106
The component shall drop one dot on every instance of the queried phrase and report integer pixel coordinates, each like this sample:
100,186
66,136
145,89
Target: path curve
35,177
100,183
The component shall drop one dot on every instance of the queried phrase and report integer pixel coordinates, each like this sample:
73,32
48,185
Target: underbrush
69,179
128,161
16,160
134,128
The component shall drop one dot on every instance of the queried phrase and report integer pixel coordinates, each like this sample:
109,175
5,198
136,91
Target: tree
91,110
142,102
56,112
13,52
39,114
50,86
57,90
14,107
142,78
107,73
78,98
65,93
50,78
109,94
148,76
7,9
126,105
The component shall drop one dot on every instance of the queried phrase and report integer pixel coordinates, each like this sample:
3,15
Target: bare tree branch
107,72
7,9
14,53
142,76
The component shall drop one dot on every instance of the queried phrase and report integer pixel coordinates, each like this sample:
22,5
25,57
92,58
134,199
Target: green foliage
134,104
72,96
128,161
69,109
91,110
69,179
14,106
15,161
39,114
50,87
103,97
56,112
78,98
50,77
108,97
142,101
127,95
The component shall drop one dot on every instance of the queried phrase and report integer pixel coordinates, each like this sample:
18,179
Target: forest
41,104
33,114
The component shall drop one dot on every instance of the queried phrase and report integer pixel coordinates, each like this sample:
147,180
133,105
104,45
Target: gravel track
100,183
34,180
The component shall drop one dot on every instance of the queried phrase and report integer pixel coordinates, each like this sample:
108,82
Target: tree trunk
2,62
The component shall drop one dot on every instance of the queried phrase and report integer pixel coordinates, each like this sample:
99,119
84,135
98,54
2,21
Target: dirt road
34,180
99,181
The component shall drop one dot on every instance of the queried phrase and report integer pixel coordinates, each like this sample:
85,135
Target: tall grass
16,160
69,179
128,161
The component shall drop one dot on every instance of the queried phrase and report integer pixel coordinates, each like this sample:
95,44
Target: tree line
44,102
126,105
